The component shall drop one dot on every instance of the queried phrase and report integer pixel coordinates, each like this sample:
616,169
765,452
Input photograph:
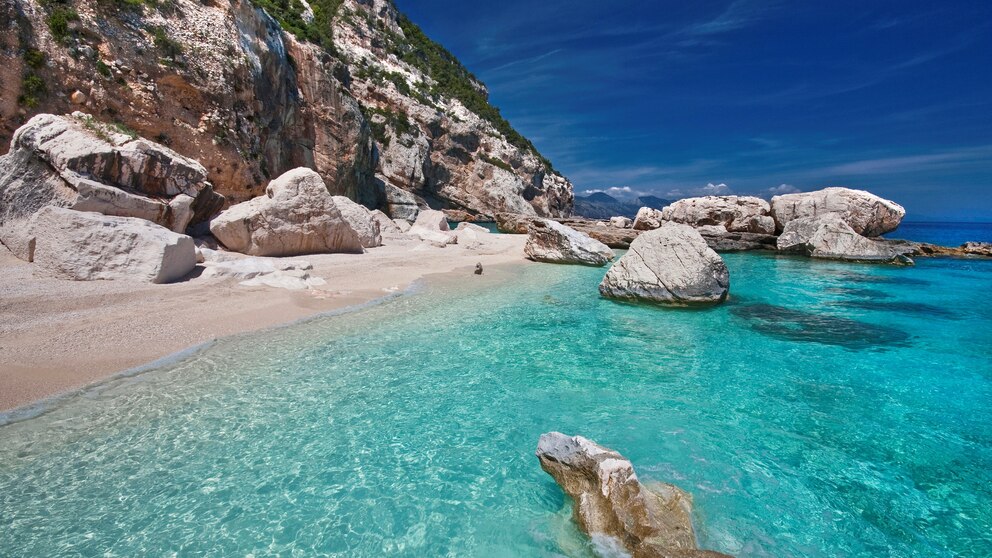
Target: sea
826,410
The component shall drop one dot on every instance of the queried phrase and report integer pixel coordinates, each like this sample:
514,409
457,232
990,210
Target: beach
58,335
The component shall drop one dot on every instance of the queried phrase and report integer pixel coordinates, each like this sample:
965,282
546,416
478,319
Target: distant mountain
603,206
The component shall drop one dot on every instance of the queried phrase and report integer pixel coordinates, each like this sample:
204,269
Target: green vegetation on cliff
289,14
453,80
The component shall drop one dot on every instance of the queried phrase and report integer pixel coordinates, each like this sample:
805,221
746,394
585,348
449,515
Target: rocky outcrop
296,216
361,221
669,265
551,242
386,225
966,250
648,219
866,213
609,501
742,214
76,162
86,246
829,236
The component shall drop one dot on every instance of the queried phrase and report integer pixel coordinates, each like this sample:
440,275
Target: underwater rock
669,265
798,325
609,501
551,242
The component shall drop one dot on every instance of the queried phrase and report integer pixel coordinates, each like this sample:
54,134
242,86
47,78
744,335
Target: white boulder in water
669,265
829,236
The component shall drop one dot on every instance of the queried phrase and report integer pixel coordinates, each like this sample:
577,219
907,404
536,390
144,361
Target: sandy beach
58,335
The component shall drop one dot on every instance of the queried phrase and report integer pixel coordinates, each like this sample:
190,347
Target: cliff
349,88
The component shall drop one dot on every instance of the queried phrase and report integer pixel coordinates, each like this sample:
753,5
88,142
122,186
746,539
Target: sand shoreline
57,336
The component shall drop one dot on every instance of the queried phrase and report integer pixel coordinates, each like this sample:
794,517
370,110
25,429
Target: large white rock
829,236
734,213
647,219
609,501
866,213
622,222
361,220
78,162
551,242
84,246
670,265
296,216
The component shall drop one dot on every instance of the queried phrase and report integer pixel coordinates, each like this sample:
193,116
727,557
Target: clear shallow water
828,410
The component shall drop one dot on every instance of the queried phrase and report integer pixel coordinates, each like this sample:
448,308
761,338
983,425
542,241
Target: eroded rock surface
77,162
361,221
670,265
829,236
744,214
552,242
608,499
86,246
296,216
866,213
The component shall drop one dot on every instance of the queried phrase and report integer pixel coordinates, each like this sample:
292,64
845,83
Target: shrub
35,59
58,22
33,88
166,44
498,163
102,68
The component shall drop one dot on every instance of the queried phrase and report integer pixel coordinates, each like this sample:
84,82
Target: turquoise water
827,410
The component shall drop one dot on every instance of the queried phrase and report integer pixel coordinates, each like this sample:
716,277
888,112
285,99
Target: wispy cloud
981,155
739,14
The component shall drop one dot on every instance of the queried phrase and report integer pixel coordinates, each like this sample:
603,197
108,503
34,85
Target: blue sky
748,97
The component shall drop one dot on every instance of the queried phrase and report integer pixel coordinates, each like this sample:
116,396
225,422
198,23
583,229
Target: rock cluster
648,219
742,214
867,214
611,504
77,162
670,265
552,242
432,227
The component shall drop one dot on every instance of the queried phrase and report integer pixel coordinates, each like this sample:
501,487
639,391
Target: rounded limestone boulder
670,265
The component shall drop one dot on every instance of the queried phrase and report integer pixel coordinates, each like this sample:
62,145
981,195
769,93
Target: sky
757,97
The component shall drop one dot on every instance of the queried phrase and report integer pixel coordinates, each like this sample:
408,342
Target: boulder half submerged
612,506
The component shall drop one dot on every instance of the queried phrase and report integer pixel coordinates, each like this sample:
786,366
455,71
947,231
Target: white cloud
783,189
711,189
616,191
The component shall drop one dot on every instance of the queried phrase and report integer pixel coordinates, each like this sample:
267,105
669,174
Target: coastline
57,336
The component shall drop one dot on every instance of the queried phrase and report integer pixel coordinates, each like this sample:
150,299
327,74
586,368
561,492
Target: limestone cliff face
223,82
436,134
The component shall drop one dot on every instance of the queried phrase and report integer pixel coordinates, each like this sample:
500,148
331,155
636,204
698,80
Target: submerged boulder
552,242
829,236
609,501
866,213
648,219
296,216
669,265
361,220
745,214
78,162
85,246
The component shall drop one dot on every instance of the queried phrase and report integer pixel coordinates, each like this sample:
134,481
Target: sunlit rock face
866,213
